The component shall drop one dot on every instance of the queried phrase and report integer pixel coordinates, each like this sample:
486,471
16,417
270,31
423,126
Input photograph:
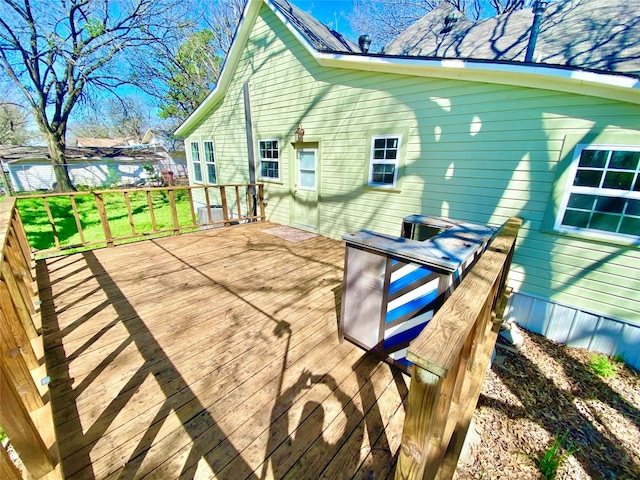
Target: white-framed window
307,158
210,162
197,164
602,195
269,159
384,162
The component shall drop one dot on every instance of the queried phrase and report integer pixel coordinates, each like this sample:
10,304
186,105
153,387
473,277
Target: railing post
263,216
174,213
15,326
21,272
19,426
223,201
17,369
423,439
20,234
194,219
420,417
152,213
239,204
52,222
9,289
76,215
127,202
250,205
104,219
208,201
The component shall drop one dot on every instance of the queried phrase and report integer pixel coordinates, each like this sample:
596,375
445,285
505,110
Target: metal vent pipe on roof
538,10
364,42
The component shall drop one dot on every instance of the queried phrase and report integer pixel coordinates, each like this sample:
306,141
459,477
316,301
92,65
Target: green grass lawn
40,233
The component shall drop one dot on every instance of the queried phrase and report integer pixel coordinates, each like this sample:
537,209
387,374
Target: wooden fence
24,416
450,359
235,202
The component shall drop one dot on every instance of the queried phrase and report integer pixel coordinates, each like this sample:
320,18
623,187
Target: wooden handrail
450,358
20,397
241,213
144,189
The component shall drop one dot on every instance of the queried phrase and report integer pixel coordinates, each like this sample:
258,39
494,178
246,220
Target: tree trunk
56,148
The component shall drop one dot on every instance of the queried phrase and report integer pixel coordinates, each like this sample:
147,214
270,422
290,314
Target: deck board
213,354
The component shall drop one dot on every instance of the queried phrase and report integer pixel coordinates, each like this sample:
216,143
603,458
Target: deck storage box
393,286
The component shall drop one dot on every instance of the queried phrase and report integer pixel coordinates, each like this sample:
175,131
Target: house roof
588,34
330,51
321,37
104,142
80,154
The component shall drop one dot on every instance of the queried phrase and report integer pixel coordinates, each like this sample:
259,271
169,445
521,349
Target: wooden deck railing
24,416
450,359
237,203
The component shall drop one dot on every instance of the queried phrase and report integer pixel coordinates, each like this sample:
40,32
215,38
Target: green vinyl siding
474,151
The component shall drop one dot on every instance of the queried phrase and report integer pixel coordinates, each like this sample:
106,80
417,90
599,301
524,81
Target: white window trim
260,159
570,188
315,169
193,163
206,163
396,162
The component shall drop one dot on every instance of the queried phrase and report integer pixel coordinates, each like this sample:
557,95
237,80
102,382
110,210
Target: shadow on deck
213,355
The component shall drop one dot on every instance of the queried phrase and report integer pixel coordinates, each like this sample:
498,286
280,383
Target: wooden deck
213,355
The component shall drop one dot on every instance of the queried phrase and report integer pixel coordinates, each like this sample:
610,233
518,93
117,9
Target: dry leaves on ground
541,390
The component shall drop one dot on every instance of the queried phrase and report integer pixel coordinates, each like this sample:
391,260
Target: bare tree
13,124
222,19
115,117
504,6
59,54
189,74
386,19
181,74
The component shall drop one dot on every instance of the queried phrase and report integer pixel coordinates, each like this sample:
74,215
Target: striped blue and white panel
412,301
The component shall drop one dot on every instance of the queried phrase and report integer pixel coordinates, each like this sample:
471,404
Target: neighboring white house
30,169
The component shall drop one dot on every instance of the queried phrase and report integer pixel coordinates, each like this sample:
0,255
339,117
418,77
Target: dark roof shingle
590,34
321,37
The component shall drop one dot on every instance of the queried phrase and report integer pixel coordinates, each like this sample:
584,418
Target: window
604,191
269,158
210,162
307,168
195,159
385,154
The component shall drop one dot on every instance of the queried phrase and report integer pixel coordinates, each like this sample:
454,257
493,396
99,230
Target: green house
452,120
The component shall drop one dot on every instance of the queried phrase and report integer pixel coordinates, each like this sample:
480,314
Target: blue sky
330,12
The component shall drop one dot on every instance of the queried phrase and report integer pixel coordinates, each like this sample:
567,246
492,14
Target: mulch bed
540,391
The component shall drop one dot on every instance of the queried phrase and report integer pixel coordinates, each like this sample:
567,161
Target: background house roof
321,37
84,154
588,34
105,142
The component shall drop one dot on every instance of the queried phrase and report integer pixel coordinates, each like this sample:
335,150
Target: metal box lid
446,250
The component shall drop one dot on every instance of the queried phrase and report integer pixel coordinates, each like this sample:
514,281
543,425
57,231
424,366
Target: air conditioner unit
216,215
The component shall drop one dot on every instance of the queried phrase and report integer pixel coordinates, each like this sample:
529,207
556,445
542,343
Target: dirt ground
541,390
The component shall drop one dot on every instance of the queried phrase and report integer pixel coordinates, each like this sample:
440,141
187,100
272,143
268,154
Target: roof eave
609,85
243,31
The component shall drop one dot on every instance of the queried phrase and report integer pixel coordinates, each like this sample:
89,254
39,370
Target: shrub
601,365
551,459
